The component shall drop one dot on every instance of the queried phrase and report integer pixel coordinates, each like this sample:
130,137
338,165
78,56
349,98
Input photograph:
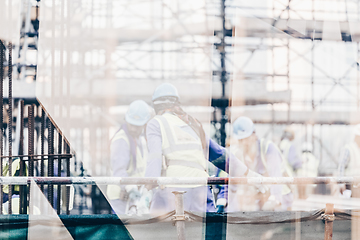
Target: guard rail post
329,220
179,216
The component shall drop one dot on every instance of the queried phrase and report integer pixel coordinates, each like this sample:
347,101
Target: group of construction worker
175,146
165,141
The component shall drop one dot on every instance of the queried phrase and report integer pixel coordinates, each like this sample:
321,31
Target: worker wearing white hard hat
263,157
178,147
288,149
128,157
349,164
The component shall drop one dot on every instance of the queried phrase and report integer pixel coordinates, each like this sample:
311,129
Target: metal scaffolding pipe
179,216
329,221
176,181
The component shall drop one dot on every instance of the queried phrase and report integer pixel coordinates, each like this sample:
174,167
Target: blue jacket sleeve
226,161
217,155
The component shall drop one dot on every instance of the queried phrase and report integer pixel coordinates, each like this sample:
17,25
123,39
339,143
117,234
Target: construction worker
288,149
128,157
265,158
178,147
309,168
349,164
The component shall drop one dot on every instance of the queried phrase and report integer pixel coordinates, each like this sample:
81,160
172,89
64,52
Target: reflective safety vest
353,167
183,151
309,166
114,191
285,167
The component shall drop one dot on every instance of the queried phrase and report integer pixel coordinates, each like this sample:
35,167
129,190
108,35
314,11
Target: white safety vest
113,191
183,152
353,167
285,167
310,165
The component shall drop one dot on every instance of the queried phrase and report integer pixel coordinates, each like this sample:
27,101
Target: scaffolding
294,25
278,49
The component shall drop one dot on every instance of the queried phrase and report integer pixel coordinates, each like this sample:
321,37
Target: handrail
176,181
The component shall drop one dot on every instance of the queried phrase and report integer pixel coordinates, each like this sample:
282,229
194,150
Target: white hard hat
243,127
165,90
138,113
357,130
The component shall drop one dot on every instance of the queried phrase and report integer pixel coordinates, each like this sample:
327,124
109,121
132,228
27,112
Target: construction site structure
70,68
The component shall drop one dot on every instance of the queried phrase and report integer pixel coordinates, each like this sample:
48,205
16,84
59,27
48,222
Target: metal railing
29,116
159,181
180,217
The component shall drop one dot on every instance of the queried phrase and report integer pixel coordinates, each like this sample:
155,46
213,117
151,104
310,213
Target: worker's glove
220,205
144,202
133,195
133,192
147,196
132,210
260,187
271,204
342,188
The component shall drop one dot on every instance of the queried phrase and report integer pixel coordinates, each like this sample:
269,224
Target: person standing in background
288,149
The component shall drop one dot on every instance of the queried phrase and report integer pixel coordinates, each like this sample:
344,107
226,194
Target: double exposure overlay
169,119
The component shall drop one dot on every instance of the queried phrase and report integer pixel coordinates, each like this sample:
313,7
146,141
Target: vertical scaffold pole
31,124
329,220
67,160
2,58
58,202
22,189
42,140
355,214
10,124
180,214
51,161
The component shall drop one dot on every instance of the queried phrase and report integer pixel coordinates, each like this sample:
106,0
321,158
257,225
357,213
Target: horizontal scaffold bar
175,181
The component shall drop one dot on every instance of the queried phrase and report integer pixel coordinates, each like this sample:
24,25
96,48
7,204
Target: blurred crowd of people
165,141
